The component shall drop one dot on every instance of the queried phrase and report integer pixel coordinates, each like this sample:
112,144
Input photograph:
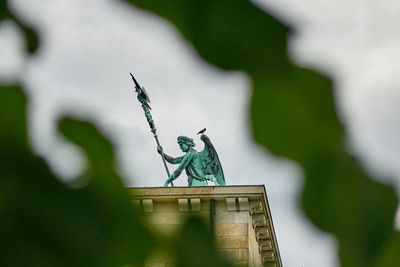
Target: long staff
144,99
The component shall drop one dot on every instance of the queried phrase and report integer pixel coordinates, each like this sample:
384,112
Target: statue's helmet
186,140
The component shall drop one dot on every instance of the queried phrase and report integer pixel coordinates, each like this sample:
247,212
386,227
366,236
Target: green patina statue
200,166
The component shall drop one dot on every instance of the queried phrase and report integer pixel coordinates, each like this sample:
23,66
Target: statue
200,166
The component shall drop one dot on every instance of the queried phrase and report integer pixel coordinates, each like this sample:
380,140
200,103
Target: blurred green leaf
293,115
3,10
44,222
390,253
194,246
32,40
31,36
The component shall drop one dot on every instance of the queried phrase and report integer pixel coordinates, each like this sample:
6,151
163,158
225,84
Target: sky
89,47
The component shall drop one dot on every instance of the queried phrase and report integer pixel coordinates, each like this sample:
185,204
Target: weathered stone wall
231,232
242,224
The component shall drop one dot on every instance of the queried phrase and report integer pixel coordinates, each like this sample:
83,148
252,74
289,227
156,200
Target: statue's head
185,143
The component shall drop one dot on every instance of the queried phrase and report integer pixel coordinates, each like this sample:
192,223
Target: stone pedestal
239,215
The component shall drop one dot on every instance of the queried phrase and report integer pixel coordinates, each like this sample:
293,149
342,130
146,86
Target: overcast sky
89,47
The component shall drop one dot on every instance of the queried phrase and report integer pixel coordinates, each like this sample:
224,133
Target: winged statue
200,167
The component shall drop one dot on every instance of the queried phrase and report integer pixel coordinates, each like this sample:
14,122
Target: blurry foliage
31,37
45,222
194,247
293,115
42,221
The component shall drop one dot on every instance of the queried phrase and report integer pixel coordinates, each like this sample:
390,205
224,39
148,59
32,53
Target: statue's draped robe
191,162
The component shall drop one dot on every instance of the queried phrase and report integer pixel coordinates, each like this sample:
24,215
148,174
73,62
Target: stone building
239,215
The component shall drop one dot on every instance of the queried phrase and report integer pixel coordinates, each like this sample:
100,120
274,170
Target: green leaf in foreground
44,222
32,40
293,115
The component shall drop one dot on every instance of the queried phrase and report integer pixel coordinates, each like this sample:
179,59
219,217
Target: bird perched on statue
142,95
202,131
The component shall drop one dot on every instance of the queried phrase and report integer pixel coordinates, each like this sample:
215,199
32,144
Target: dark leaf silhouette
194,245
30,34
43,221
293,115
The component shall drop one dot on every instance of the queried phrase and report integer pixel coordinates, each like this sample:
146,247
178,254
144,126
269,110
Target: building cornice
237,198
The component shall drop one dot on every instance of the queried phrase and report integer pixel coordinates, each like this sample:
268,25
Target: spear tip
134,80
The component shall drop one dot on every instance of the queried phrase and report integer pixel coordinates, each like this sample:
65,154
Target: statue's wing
211,164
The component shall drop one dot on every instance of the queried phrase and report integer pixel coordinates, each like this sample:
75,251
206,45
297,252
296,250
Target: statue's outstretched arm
173,160
168,158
